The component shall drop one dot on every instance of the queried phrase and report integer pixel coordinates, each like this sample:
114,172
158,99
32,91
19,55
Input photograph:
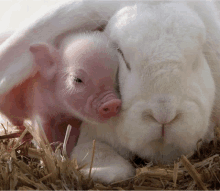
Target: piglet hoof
110,108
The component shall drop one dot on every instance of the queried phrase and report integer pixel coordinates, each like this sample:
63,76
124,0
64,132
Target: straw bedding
23,166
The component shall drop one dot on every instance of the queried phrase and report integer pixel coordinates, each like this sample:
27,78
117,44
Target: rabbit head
165,81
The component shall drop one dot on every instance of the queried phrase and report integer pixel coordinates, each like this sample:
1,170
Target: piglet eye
78,80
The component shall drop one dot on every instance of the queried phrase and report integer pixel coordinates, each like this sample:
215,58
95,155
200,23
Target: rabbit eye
78,80
127,64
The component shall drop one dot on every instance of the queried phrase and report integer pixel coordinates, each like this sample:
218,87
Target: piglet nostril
105,109
110,108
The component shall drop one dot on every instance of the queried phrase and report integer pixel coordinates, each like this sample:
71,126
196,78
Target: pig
169,83
73,83
18,71
66,17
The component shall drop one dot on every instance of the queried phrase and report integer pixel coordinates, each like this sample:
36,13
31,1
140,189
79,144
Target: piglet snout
110,108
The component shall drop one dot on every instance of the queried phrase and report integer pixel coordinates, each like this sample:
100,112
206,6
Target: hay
23,166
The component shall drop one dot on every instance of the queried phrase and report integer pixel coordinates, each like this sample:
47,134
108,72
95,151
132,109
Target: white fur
173,51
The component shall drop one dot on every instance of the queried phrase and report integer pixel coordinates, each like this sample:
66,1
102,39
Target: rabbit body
168,78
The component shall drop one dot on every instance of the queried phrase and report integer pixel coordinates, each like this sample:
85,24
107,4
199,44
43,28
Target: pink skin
59,100
95,95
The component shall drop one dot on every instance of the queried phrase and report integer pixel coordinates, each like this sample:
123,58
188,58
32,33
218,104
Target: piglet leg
55,130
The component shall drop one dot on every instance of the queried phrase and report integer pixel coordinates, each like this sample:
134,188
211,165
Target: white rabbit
169,79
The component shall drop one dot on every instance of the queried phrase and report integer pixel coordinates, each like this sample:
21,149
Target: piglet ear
45,56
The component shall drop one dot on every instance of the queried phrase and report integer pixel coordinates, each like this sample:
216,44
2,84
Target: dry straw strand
193,173
93,154
175,173
69,127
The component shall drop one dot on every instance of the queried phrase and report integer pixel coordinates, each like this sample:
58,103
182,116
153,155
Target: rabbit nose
164,115
163,109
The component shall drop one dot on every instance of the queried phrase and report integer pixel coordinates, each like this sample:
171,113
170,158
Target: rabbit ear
45,58
16,62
